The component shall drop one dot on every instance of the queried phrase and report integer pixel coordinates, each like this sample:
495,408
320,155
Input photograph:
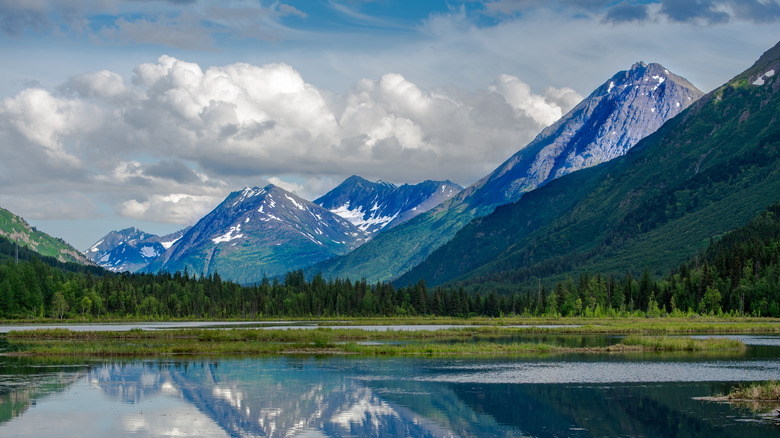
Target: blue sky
147,113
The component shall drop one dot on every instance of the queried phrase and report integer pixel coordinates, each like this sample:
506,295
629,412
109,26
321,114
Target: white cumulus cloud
167,143
175,208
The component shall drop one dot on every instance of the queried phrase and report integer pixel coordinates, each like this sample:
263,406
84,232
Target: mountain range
282,239
606,124
706,171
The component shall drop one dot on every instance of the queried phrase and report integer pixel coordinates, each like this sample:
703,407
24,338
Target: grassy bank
458,341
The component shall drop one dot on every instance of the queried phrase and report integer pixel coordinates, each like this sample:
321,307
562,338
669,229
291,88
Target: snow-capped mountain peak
260,231
630,105
374,206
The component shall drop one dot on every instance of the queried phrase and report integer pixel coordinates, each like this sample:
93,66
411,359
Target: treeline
35,289
737,274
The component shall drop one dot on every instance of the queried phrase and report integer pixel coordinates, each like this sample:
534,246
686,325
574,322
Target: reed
760,391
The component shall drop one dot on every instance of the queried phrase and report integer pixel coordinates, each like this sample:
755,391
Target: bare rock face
625,109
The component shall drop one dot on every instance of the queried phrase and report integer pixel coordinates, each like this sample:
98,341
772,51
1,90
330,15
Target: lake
337,396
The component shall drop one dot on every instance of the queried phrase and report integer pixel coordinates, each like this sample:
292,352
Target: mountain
8,253
256,232
130,249
377,206
17,229
611,120
703,173
628,107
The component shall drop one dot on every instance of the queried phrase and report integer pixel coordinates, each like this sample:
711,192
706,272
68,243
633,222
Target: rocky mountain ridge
377,206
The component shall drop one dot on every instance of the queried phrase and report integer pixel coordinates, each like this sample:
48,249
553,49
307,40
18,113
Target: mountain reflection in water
271,397
347,397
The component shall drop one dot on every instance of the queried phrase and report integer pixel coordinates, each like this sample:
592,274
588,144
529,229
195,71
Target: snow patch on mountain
358,218
148,251
227,237
296,204
168,243
364,220
761,79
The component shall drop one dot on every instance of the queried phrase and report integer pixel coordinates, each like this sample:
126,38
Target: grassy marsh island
768,391
453,341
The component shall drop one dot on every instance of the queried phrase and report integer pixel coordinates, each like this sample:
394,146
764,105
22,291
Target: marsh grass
675,343
455,341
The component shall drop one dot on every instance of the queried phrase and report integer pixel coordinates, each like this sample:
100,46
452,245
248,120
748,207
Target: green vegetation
670,343
8,254
738,274
470,341
401,248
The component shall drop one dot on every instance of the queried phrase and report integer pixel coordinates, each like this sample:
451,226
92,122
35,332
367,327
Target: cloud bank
167,143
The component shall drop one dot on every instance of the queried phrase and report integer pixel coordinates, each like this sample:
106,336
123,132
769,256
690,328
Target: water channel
642,395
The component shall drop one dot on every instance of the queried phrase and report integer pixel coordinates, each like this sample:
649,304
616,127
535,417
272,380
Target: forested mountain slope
17,229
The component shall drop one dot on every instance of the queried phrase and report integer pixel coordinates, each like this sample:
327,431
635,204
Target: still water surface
305,396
